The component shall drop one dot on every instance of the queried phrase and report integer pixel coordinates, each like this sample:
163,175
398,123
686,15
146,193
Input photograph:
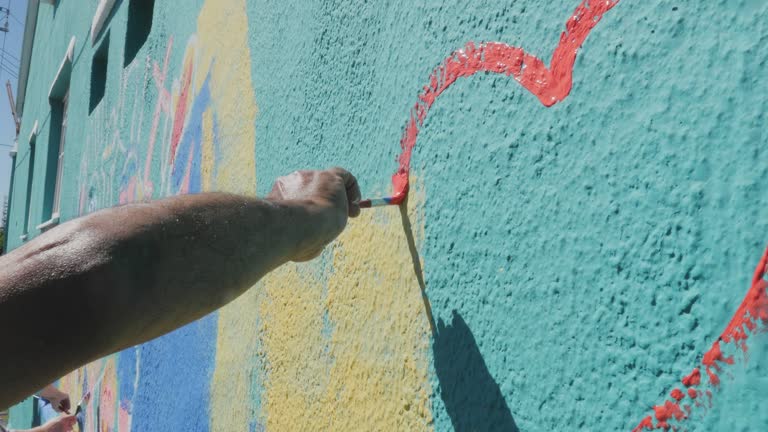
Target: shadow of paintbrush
408,228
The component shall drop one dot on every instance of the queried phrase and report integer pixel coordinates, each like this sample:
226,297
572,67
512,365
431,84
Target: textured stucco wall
579,260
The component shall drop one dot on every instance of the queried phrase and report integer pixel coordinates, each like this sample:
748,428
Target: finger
352,188
276,192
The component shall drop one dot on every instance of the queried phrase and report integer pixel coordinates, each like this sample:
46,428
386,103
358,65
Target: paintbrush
374,202
401,186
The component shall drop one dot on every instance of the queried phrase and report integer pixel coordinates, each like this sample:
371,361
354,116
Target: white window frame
60,166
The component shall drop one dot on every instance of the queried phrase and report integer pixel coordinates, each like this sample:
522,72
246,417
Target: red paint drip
549,85
751,317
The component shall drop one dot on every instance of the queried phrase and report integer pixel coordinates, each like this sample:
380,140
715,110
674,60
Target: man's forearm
122,276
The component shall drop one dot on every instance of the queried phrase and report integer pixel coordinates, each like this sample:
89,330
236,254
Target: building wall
579,259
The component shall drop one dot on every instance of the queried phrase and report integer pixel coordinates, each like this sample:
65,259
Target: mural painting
483,300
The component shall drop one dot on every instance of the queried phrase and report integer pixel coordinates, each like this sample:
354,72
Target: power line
16,19
10,65
7,60
10,72
11,56
9,69
7,11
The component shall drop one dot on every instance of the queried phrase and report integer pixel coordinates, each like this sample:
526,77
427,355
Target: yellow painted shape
351,353
223,40
207,156
222,45
296,352
236,351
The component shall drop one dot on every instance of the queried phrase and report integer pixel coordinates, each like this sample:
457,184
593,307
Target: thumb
69,422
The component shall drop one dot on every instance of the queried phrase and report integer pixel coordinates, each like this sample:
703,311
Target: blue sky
12,40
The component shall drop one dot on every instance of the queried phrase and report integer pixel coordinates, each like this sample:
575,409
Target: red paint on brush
750,318
551,85
400,184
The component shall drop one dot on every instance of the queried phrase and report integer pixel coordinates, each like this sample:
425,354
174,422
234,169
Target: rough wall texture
579,260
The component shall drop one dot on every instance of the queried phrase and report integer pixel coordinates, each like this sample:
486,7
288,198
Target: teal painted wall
579,260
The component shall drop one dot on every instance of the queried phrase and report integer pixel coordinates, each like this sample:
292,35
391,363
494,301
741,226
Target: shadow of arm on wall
471,396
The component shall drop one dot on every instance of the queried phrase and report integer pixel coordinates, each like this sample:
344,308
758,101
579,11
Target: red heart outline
552,85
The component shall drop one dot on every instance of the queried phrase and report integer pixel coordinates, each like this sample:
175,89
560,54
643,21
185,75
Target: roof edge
30,26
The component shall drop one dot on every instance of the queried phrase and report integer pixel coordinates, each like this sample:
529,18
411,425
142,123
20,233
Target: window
55,162
139,25
30,175
60,159
58,96
99,73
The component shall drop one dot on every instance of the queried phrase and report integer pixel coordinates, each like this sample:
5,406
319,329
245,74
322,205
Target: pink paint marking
129,192
82,200
184,188
750,318
161,105
123,419
107,413
549,85
181,109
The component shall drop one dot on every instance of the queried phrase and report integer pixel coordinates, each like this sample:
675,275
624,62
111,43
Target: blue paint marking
84,389
216,146
126,377
174,387
255,426
191,142
129,171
